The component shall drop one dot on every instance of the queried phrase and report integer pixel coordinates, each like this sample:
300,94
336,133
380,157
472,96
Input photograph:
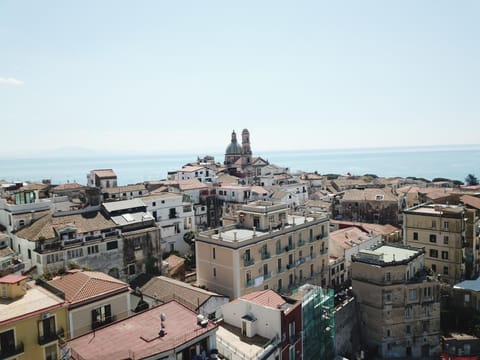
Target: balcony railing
301,243
290,247
49,337
324,251
250,283
267,276
281,269
279,251
265,255
11,351
108,320
248,262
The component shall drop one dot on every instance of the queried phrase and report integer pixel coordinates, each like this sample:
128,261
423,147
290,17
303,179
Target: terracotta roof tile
85,285
265,298
470,201
164,288
12,279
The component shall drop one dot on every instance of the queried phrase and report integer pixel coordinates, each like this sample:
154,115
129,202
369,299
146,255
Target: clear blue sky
152,76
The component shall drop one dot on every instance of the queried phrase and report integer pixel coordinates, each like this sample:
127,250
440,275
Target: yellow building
268,248
441,229
33,321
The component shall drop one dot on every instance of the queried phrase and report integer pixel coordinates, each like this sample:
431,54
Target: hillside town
240,259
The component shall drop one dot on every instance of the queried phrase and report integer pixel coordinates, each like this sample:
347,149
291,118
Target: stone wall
347,329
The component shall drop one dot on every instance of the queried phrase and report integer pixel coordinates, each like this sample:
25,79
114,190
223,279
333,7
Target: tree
471,180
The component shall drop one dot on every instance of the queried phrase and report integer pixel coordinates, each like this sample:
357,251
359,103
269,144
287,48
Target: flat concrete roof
391,253
437,209
247,234
36,299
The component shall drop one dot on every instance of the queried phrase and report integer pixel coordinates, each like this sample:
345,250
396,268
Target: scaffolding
318,323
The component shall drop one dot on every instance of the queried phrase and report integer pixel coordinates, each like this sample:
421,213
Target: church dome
234,148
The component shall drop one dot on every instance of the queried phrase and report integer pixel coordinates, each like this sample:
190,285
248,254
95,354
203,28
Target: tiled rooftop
162,287
138,336
46,226
267,298
84,285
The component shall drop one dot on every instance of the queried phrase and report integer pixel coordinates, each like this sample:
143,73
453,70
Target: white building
200,173
174,217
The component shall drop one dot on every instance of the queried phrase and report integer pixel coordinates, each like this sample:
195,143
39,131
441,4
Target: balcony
108,320
267,276
248,262
49,337
265,255
250,283
312,239
280,270
300,243
279,251
323,251
11,351
290,247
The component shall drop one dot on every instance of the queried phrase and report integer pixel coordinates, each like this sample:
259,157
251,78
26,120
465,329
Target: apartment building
441,230
33,321
268,248
119,238
399,302
174,217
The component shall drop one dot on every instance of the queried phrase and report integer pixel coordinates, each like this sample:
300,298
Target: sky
179,76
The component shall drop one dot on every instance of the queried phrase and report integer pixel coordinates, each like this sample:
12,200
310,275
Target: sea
451,162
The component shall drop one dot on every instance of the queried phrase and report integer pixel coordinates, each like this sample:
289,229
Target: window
101,316
112,245
46,330
7,343
433,253
412,294
434,224
172,213
154,203
388,297
407,329
445,255
388,332
29,254
388,276
74,253
445,270
92,249
53,258
434,268
51,352
213,253
131,269
342,266
433,238
408,312
445,225
445,240
427,292
214,272
415,236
